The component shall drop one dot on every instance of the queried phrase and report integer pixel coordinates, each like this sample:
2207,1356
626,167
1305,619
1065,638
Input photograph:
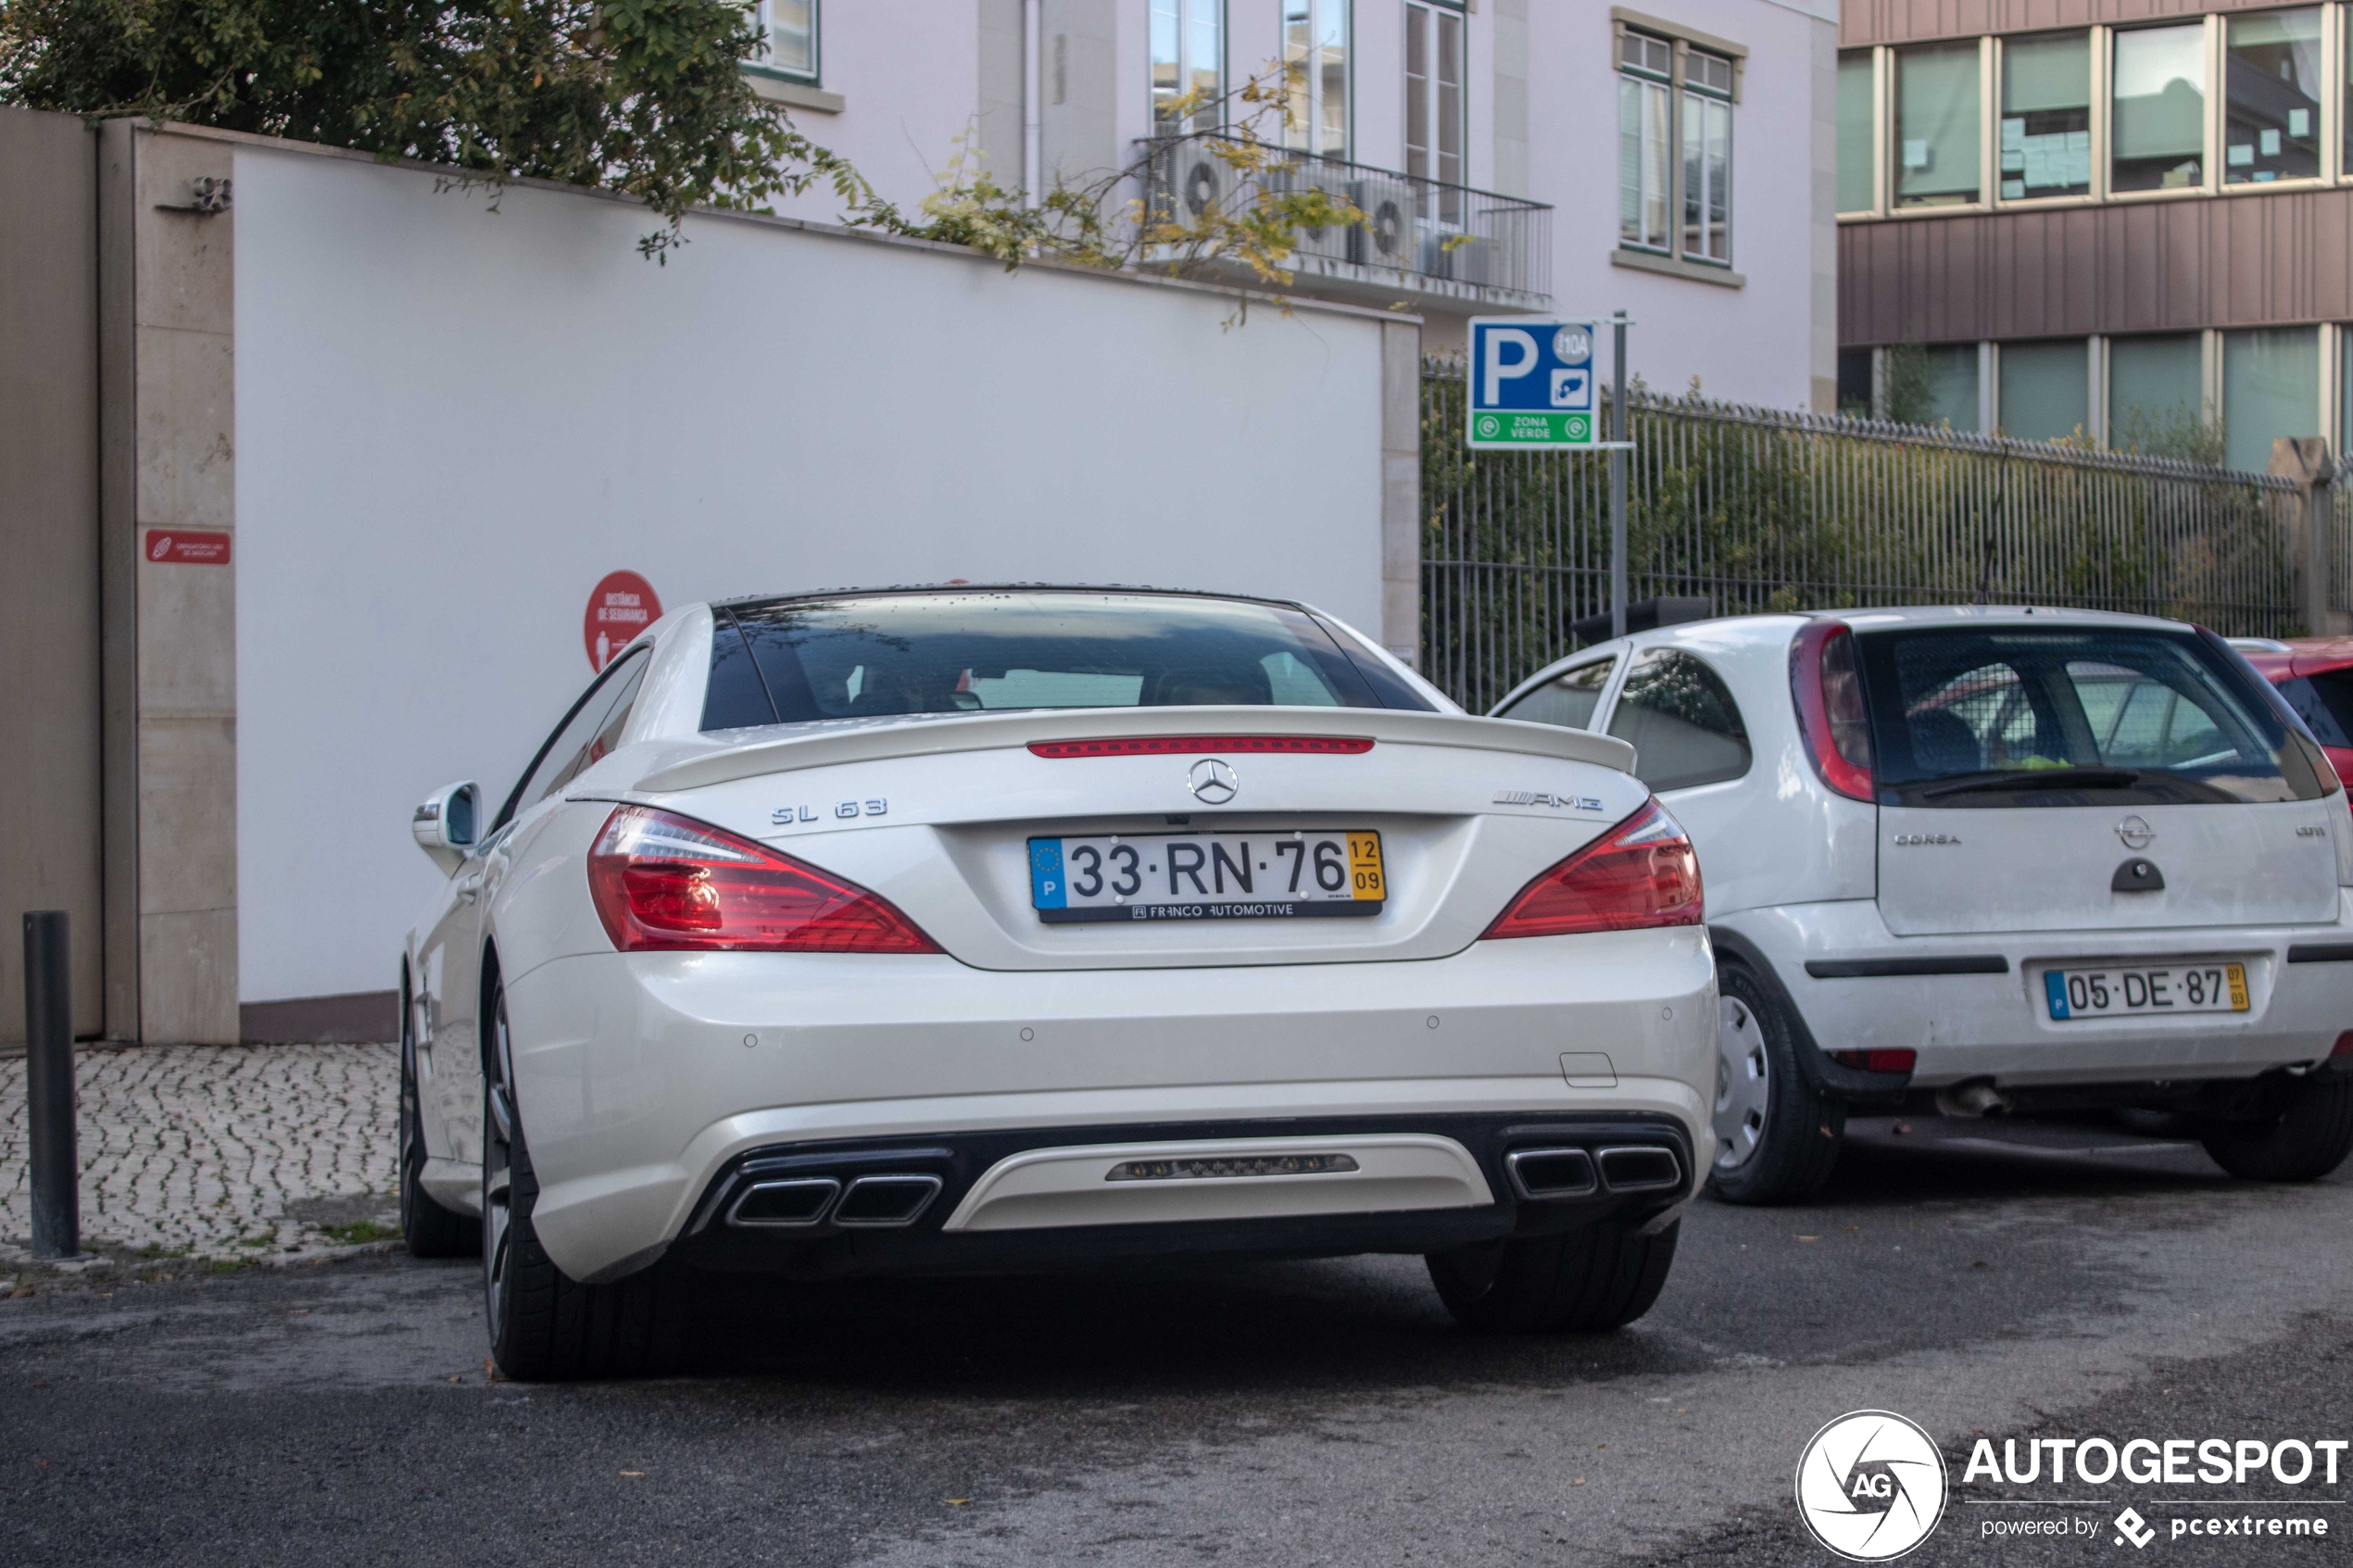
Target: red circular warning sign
622,605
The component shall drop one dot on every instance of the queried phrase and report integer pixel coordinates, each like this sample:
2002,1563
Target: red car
2316,676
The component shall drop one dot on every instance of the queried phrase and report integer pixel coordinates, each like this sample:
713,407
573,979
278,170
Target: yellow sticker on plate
2236,975
1363,867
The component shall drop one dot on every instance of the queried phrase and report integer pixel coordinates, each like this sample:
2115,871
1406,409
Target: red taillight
663,882
1877,1060
1642,873
1828,689
1191,745
2343,1046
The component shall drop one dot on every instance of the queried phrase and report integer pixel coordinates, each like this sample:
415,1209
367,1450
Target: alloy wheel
498,1160
1743,1085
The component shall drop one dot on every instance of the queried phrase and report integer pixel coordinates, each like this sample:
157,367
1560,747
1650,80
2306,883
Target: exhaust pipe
1538,1173
1971,1099
886,1201
791,1205
1640,1169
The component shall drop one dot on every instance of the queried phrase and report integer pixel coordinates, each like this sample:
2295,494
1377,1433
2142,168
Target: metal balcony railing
1424,232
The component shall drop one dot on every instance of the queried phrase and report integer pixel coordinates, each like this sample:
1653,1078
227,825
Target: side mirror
447,823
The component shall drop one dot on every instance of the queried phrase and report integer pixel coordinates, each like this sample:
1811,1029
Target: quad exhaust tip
1640,1168
1550,1172
805,1202
1538,1175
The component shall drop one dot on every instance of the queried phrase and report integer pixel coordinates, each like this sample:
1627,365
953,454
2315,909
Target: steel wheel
1743,1085
498,1163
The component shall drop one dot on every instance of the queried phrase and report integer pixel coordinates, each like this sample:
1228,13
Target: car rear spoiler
692,765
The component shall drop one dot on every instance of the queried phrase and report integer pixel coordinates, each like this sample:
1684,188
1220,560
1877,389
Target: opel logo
1213,781
2135,831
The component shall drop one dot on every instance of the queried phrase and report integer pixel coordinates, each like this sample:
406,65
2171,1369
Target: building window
1315,51
1674,125
1951,381
1936,125
790,27
1707,157
2046,389
1646,109
2047,117
2271,387
2154,390
2157,124
1188,57
1857,178
1435,114
2272,97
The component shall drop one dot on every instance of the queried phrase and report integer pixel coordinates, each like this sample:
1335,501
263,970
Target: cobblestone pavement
220,1152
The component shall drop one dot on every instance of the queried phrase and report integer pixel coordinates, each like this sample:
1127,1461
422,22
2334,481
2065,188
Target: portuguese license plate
2110,993
1206,877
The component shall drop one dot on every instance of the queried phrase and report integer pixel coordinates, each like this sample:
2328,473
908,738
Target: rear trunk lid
946,815
2110,775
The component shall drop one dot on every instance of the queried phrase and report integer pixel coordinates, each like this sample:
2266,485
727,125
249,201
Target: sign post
1617,446
1531,390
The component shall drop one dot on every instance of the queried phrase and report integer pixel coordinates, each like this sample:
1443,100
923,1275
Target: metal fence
1756,509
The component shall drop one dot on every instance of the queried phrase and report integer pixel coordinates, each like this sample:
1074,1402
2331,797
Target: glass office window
2271,387
1936,125
2157,134
1952,372
2272,97
2153,389
1855,395
1856,133
1188,57
1315,51
1707,157
2046,389
2047,117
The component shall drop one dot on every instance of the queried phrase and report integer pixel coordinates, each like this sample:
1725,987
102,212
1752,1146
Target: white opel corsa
1994,861
972,928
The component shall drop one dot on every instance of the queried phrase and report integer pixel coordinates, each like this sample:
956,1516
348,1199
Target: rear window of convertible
792,661
2073,716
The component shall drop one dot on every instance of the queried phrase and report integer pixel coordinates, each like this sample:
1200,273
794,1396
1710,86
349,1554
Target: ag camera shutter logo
1870,1486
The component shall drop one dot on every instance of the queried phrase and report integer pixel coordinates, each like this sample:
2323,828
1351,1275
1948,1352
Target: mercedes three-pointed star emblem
1213,781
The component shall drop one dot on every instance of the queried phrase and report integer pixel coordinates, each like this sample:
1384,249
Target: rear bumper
1040,1196
643,1079
1972,1006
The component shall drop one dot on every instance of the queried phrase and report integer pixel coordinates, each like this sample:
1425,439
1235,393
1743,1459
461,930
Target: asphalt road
1978,1278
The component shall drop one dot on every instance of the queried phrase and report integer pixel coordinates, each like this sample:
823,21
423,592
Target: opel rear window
792,661
2073,716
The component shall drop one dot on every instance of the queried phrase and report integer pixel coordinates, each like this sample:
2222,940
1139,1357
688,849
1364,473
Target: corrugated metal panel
1904,21
2129,267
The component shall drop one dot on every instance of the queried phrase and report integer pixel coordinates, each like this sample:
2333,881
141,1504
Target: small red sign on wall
187,548
622,605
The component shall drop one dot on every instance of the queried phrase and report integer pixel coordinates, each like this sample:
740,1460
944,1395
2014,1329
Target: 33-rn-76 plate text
1207,876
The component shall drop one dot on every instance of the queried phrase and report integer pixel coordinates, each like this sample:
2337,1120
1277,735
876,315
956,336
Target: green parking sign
1531,385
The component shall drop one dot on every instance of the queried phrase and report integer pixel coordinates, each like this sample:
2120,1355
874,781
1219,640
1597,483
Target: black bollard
50,1087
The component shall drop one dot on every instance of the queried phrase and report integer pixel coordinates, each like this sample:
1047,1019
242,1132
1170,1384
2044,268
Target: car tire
1778,1135
428,1229
545,1326
1587,1281
2306,1141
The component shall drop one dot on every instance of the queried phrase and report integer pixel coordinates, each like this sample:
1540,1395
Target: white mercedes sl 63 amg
963,928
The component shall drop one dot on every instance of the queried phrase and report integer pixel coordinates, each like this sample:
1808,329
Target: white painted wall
451,422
